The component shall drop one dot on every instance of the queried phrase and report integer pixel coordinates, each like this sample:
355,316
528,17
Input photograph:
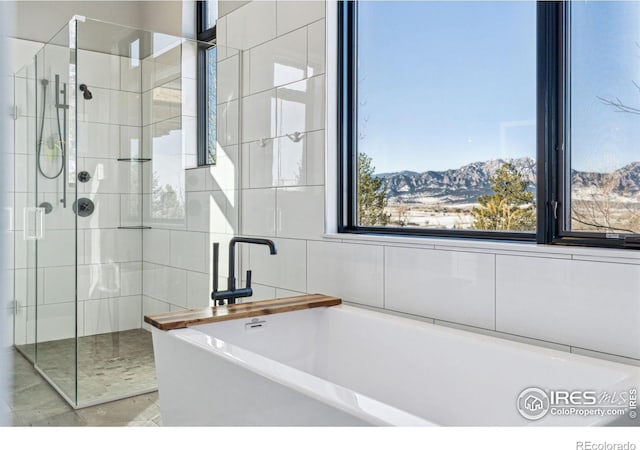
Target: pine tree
510,208
372,195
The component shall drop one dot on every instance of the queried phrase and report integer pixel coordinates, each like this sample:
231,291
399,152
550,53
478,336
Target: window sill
621,256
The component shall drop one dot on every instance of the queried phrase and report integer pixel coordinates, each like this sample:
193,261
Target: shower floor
110,365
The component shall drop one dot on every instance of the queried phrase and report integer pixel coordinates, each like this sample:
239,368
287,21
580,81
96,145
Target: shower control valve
84,176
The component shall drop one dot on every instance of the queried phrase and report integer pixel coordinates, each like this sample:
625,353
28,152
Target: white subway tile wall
273,160
555,301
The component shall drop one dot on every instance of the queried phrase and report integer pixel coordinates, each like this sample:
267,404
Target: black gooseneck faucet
231,294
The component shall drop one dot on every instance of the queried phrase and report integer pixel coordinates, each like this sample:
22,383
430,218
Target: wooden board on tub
183,319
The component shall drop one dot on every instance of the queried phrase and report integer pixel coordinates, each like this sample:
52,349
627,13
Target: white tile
279,62
59,284
189,250
112,107
198,215
195,179
189,58
22,170
259,116
301,159
189,134
98,140
168,62
260,292
20,202
108,176
224,174
58,248
176,287
130,209
130,74
295,14
221,37
284,293
153,306
246,72
314,150
155,280
258,212
198,290
287,269
24,326
131,279
108,245
24,135
454,286
222,214
156,246
98,70
105,215
300,106
97,281
350,271
584,304
300,212
316,48
262,161
148,71
228,123
161,103
189,91
25,287
131,142
114,314
228,78
58,321
251,24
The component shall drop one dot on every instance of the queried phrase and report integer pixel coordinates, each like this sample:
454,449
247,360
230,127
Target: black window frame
204,35
552,136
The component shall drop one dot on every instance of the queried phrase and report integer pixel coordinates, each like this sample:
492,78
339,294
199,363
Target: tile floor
35,403
109,365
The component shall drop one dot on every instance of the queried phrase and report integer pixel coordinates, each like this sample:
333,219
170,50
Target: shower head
86,92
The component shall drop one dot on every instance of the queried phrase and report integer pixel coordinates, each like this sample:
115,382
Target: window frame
205,35
552,147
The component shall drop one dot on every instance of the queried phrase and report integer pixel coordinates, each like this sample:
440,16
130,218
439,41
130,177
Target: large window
602,162
508,120
207,59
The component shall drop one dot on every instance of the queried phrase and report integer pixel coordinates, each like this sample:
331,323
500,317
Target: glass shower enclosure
105,123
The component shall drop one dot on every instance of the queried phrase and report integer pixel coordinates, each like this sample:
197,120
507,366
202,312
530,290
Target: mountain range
465,184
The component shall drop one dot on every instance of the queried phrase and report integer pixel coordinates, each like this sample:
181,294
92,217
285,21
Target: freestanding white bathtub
345,365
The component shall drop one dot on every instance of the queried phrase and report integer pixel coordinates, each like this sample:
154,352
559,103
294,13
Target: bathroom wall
40,20
175,248
109,258
574,299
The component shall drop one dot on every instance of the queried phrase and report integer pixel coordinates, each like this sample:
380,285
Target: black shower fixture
86,92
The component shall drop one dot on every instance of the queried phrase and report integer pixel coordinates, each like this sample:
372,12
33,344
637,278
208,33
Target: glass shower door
52,221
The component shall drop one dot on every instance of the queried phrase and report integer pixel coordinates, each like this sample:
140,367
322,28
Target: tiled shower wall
109,259
574,299
175,249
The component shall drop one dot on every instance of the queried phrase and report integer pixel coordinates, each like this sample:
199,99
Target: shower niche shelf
134,159
134,227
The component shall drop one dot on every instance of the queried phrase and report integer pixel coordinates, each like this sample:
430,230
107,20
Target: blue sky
443,84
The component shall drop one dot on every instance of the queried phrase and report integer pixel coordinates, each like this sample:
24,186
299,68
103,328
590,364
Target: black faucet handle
248,278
